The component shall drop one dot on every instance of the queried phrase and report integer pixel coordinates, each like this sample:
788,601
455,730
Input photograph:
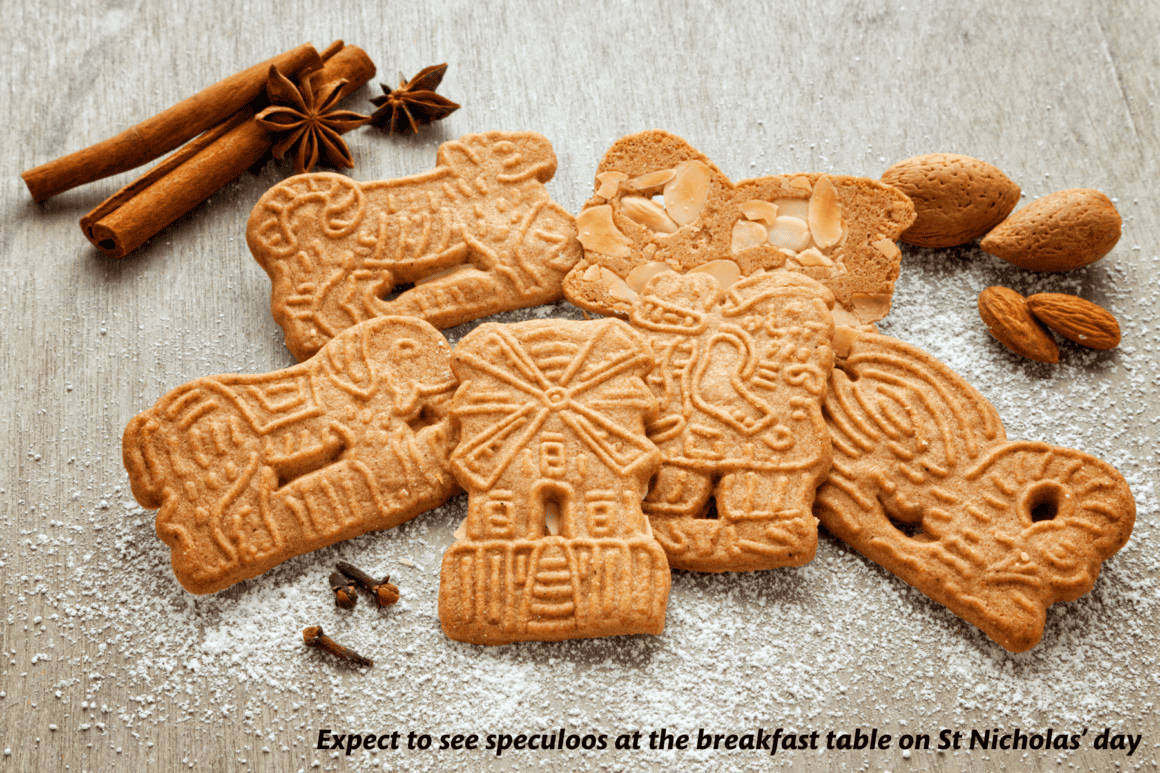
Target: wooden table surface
106,663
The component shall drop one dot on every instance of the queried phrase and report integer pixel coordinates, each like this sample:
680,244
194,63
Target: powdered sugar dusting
838,644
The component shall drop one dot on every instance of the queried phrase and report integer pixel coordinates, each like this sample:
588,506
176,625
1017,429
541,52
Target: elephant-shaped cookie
250,470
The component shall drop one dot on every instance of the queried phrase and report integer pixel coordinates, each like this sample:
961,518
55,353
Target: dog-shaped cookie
477,235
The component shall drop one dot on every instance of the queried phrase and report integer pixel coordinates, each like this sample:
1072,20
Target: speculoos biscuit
740,378
250,470
925,483
555,460
476,235
660,202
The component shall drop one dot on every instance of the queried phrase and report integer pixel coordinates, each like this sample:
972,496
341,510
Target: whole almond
1064,230
957,198
1007,317
1075,319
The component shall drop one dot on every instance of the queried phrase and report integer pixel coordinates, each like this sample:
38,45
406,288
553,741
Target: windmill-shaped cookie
248,471
925,483
555,461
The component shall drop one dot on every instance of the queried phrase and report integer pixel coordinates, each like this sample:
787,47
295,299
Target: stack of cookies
735,394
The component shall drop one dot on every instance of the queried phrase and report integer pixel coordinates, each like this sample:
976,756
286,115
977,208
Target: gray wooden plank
1056,94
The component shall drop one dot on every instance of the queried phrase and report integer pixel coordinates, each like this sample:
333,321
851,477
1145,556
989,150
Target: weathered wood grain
1057,95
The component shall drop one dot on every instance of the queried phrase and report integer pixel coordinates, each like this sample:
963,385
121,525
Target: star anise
413,103
306,115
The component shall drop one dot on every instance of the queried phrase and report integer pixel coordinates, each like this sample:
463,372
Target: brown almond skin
1064,230
1009,320
957,198
1083,322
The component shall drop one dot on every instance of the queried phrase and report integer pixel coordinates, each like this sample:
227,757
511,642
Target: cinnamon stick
140,210
165,131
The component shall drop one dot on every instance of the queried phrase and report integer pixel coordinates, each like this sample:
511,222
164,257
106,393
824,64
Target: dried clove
314,637
384,590
345,596
386,593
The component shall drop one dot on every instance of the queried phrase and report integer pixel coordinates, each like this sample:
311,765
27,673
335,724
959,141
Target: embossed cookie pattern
554,457
740,377
477,235
925,483
249,470
661,203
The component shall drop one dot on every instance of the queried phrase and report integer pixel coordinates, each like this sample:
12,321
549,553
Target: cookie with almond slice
660,203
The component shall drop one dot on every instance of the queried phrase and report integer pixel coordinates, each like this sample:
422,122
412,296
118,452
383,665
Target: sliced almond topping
592,274
607,183
652,179
449,272
648,213
726,272
887,247
825,214
843,318
461,532
788,232
688,192
870,307
812,257
598,233
801,183
799,208
763,211
616,286
844,337
748,234
639,276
